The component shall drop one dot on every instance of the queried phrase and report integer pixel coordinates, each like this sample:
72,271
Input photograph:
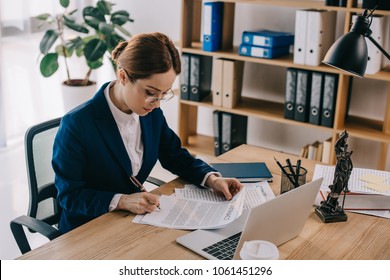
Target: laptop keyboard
224,249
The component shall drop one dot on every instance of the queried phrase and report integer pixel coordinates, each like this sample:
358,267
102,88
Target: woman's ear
122,76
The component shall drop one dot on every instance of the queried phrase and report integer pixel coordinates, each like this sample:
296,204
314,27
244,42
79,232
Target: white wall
265,82
2,125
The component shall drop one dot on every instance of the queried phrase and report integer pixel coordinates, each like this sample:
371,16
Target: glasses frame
167,95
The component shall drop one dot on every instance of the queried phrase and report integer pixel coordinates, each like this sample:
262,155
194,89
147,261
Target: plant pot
73,93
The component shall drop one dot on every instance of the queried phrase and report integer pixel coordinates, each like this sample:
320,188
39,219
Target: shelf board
285,61
383,75
200,145
272,111
263,109
305,4
366,129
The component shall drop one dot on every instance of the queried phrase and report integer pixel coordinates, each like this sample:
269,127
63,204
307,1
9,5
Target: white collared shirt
130,130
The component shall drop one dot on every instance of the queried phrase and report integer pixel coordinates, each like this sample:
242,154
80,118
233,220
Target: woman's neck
116,95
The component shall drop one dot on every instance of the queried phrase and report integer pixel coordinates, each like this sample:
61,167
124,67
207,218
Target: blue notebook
263,52
244,171
267,38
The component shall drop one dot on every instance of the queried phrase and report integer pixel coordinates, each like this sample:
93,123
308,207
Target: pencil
288,161
297,173
284,171
140,186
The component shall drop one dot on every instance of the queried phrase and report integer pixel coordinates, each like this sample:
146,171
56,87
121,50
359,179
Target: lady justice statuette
330,211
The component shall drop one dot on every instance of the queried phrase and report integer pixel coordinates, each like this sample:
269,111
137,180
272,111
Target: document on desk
369,190
195,208
362,180
202,210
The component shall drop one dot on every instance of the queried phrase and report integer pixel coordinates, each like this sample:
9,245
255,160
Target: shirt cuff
114,202
203,183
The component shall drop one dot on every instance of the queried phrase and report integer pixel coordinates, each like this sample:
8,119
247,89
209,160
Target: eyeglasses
149,97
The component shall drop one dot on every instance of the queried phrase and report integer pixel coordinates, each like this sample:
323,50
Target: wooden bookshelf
361,128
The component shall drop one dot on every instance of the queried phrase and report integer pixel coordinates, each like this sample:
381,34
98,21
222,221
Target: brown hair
147,54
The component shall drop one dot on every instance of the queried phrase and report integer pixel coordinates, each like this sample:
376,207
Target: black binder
200,76
302,99
329,99
289,103
381,4
234,130
217,127
185,77
316,97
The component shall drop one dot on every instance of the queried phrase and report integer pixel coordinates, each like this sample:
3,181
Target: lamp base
331,217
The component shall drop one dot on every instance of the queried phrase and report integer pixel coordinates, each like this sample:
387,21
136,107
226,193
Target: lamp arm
379,47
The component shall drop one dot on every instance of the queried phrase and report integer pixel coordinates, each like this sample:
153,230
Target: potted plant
108,31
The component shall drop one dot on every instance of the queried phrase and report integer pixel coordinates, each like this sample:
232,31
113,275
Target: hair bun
118,50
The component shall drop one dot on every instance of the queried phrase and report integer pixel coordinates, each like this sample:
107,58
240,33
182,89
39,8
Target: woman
121,132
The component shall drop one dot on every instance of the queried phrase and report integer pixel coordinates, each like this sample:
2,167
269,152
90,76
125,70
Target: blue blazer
91,163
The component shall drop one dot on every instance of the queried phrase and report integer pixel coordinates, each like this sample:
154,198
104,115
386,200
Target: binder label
207,20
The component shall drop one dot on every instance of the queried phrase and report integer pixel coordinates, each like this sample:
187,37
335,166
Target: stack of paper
195,208
369,190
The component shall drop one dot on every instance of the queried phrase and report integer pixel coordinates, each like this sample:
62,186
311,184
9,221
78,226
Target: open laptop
278,221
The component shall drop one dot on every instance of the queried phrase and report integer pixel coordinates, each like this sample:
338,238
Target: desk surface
114,236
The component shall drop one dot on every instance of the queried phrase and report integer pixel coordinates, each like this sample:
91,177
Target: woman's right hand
139,203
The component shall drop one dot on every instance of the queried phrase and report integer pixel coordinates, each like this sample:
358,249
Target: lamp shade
348,53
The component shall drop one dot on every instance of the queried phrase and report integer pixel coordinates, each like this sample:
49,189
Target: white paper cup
259,250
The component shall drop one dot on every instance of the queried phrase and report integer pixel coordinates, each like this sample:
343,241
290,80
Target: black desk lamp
349,52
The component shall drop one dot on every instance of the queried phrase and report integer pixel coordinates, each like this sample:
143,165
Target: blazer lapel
109,131
147,140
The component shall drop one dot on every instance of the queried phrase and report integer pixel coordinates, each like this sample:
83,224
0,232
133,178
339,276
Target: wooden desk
114,236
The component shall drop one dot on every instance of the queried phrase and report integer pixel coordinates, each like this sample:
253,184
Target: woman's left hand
229,187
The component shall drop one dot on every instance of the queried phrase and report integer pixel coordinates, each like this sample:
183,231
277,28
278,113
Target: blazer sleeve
178,160
70,165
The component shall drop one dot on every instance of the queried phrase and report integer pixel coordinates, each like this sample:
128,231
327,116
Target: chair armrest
34,225
155,181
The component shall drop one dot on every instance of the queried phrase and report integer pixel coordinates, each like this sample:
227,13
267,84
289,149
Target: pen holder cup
288,178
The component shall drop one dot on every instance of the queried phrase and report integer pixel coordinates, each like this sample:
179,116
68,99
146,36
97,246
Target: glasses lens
168,96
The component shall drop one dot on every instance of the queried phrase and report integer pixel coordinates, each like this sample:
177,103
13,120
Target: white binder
321,26
386,40
217,82
232,82
300,36
374,63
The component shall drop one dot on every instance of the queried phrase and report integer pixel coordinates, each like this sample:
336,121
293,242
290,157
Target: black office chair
44,211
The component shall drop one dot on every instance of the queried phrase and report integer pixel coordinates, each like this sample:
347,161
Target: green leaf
95,49
95,64
48,40
49,64
64,3
93,16
104,6
72,12
66,51
72,25
124,31
77,42
86,39
106,29
120,17
80,52
42,16
114,40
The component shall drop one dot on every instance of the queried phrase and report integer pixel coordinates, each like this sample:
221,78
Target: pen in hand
140,186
